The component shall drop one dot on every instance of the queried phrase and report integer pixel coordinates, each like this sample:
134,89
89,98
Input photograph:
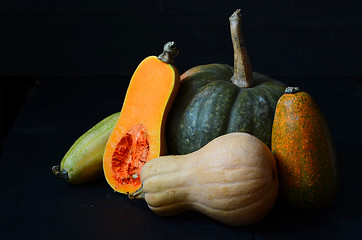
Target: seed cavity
131,153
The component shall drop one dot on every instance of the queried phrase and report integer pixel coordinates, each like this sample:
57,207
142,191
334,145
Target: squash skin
303,148
209,105
232,179
83,161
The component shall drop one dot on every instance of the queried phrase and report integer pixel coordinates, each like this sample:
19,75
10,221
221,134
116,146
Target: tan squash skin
232,179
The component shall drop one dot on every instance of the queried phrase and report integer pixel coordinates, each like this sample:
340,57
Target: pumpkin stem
292,90
60,173
243,75
169,52
138,194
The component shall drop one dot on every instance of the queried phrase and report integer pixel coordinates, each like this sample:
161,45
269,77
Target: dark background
65,65
90,38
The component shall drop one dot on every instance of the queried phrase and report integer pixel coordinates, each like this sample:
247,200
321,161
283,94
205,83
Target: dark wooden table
76,58
36,205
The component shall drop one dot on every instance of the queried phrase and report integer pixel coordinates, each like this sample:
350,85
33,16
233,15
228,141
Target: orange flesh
138,136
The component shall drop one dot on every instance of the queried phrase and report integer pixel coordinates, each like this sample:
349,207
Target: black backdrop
58,38
70,59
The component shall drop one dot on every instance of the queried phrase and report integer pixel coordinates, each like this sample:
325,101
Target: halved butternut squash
138,135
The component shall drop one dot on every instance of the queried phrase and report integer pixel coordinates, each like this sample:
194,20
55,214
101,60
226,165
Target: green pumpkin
216,99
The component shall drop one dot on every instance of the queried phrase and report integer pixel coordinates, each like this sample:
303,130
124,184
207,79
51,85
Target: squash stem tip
60,173
138,194
236,15
169,52
292,90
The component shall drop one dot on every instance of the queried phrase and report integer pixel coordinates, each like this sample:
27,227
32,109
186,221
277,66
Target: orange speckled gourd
139,134
304,152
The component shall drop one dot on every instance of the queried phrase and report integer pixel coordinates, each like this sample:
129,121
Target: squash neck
169,52
243,75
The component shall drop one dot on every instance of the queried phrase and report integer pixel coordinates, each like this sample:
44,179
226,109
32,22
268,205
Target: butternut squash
139,135
232,179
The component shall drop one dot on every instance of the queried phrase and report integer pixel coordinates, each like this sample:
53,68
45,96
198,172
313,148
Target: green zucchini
83,161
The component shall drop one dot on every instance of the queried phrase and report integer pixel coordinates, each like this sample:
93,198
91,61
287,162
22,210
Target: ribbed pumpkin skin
303,148
232,179
209,105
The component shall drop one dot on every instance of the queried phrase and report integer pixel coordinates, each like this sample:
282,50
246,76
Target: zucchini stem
60,173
